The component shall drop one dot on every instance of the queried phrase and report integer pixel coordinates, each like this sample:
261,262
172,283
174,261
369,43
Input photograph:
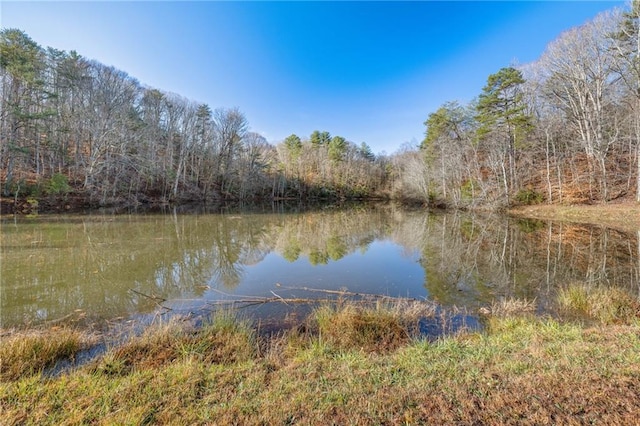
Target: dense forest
70,124
565,128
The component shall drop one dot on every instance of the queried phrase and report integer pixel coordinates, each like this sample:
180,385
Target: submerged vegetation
346,365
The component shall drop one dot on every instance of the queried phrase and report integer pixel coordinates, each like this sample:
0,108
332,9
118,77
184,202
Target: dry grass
354,327
224,340
380,325
511,306
26,353
522,370
607,305
622,216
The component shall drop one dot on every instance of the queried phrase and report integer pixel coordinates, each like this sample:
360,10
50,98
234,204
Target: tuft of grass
368,325
157,346
512,307
224,339
28,353
609,305
348,326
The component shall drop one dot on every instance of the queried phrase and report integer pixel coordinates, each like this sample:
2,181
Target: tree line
565,128
69,124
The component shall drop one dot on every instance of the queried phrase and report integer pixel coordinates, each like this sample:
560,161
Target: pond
103,267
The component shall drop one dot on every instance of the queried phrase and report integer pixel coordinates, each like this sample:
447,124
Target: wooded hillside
565,128
70,124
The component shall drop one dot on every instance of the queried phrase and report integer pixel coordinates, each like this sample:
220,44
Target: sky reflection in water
104,267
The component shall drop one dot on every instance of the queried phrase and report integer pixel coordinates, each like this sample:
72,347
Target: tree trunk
548,167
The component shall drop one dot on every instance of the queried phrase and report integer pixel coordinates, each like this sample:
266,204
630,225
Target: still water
102,267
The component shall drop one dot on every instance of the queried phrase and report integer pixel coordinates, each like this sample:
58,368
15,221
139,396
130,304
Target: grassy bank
622,216
348,365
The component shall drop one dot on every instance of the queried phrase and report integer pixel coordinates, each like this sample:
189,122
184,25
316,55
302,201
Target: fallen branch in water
357,298
238,296
157,300
78,314
279,297
237,301
347,293
263,300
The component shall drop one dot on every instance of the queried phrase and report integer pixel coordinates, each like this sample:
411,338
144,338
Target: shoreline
344,365
621,216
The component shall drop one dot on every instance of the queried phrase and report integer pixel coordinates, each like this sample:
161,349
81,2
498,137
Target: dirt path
623,216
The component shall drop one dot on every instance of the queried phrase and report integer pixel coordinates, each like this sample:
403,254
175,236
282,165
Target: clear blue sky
368,71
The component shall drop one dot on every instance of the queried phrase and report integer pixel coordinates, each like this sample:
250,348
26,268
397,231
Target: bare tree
580,80
626,44
230,126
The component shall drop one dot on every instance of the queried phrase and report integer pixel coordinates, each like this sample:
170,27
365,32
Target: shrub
58,185
528,197
24,188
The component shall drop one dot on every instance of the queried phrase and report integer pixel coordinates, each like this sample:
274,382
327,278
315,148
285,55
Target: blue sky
368,71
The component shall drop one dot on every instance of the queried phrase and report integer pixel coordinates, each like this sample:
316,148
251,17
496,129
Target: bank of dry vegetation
622,216
345,365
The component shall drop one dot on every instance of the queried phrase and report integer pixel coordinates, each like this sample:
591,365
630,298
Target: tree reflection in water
53,266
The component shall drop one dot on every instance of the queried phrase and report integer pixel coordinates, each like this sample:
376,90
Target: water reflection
54,266
471,260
